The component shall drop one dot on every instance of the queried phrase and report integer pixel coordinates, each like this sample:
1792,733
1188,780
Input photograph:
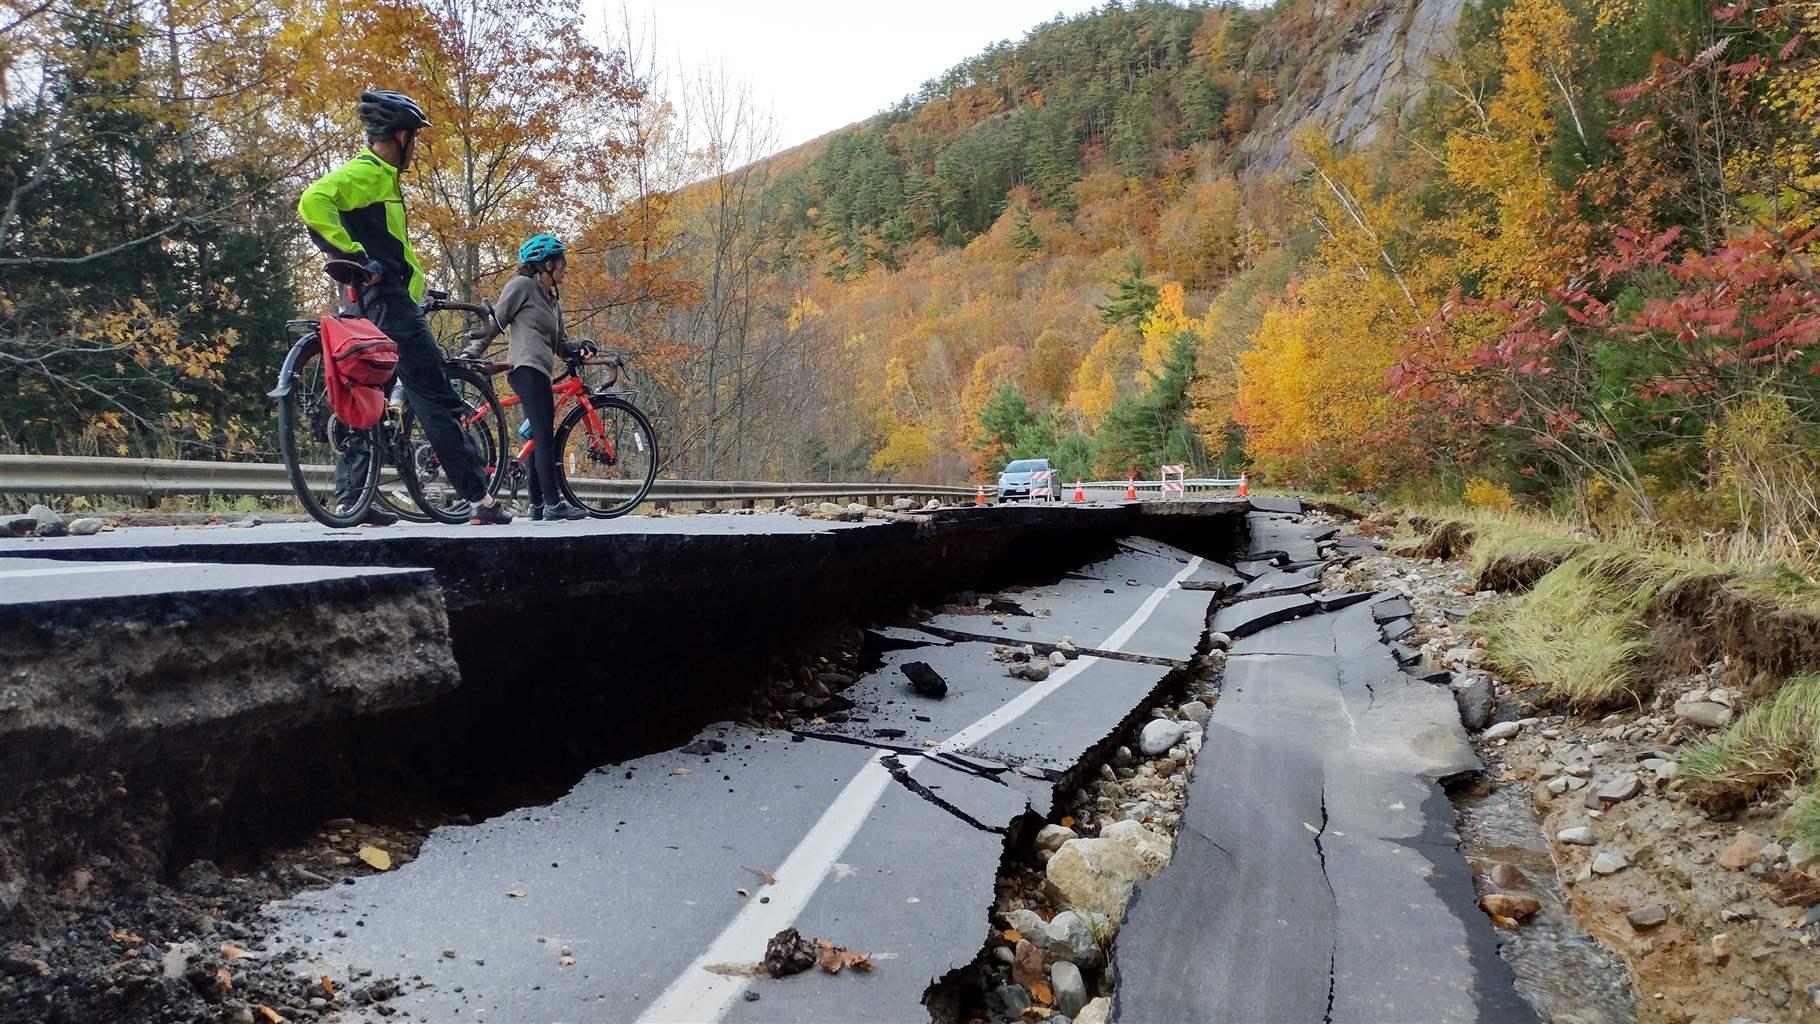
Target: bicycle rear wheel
319,449
608,470
421,468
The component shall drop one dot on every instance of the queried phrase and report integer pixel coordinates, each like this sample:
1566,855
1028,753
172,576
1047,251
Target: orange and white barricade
1041,484
1173,486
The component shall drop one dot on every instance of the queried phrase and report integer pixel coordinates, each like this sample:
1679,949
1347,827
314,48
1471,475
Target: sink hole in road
1561,970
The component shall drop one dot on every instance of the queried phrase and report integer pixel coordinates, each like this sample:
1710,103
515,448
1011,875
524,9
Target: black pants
533,389
433,399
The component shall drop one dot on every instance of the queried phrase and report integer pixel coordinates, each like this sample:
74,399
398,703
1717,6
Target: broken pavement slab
1080,608
1320,751
1248,617
112,663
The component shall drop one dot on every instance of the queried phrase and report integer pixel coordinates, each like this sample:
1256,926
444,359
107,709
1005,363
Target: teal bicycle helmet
538,248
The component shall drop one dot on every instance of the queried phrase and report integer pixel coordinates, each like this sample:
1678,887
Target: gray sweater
535,319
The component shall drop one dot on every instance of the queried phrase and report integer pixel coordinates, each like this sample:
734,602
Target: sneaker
564,510
490,515
375,516
536,513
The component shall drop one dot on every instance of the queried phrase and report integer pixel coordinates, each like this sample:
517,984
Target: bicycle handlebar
436,305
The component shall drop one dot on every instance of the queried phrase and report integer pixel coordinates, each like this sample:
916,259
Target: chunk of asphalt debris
705,746
788,953
1391,608
925,680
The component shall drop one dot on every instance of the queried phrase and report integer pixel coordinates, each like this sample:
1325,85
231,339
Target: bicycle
322,453
606,451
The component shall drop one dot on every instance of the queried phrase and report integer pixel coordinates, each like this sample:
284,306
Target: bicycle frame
566,390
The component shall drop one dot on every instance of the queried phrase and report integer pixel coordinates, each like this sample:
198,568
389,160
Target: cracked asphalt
1317,874
882,833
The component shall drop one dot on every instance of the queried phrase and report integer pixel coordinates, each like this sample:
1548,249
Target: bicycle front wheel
331,465
606,456
421,469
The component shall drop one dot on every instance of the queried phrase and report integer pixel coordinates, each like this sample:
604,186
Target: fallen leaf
1042,993
125,937
1012,935
233,952
375,858
566,961
227,980
270,1014
770,879
737,970
1339,833
328,986
517,894
682,771
1311,828
1503,922
834,959
1067,821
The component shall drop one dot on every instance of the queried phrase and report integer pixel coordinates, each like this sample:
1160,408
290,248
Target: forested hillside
1547,250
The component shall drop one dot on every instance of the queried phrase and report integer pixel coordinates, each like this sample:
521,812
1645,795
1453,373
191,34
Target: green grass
1807,819
1579,632
1777,739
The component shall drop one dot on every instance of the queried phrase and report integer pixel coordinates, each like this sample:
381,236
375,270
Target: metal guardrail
1210,483
157,478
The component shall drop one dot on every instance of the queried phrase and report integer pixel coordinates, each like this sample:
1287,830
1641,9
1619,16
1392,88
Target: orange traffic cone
980,498
1079,495
1131,487
1244,485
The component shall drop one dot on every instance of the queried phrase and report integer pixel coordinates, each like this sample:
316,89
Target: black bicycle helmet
385,112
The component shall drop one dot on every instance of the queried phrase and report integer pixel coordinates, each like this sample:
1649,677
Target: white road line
71,569
698,995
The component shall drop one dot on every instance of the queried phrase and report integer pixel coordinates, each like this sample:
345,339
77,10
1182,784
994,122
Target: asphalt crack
955,762
1333,951
902,775
1045,648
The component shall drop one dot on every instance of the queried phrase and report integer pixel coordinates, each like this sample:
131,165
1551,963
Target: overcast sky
821,64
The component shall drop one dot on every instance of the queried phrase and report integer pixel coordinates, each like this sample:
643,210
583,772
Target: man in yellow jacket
356,213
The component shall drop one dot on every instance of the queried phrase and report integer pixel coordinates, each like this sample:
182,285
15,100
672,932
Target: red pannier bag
357,362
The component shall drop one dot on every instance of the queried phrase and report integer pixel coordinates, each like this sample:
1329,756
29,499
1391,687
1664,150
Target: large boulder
1152,848
1096,874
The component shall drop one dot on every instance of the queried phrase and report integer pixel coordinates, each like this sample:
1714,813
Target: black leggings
532,387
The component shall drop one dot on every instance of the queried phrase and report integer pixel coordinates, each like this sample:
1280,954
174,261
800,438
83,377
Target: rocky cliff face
1370,64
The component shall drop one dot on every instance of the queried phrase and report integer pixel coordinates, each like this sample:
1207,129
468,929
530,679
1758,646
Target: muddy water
1562,971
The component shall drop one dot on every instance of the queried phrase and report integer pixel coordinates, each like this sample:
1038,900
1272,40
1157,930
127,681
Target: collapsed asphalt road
883,834
1316,875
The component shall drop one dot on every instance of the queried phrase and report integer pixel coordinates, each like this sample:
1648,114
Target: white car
1025,477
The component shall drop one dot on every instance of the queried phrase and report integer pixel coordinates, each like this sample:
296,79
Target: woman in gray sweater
531,306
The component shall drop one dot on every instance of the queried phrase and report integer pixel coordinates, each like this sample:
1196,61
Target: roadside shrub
1482,493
